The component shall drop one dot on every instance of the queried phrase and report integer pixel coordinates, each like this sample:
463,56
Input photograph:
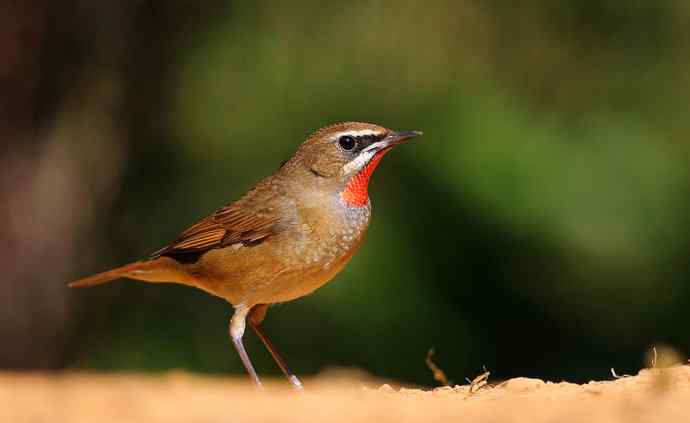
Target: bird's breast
315,244
332,234
324,240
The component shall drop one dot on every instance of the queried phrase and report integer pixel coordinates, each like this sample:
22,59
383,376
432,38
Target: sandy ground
653,395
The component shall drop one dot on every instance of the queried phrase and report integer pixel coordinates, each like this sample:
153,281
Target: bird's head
344,155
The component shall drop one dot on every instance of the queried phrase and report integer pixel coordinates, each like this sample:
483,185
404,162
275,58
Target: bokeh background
540,227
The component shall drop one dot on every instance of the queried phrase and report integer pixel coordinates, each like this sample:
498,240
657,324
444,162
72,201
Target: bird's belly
306,282
250,276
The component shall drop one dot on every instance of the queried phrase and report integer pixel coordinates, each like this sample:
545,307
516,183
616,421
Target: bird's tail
162,269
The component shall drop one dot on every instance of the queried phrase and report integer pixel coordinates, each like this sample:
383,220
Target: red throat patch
356,192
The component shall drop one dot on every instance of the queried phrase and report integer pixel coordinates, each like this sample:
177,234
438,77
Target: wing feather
250,220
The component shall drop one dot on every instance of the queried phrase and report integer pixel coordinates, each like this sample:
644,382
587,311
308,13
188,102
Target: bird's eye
347,142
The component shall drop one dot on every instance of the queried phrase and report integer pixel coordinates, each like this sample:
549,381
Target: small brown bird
292,233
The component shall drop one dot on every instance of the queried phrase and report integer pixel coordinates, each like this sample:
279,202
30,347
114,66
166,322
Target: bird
286,237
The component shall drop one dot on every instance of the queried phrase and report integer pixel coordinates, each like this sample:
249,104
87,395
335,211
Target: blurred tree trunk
60,79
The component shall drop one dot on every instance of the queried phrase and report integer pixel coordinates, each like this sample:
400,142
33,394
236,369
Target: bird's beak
394,138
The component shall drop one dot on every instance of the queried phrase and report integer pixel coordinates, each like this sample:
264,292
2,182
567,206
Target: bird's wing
248,221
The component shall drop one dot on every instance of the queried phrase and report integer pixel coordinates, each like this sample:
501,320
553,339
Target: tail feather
163,269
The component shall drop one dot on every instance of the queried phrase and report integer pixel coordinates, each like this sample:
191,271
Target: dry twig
615,376
439,375
479,382
653,361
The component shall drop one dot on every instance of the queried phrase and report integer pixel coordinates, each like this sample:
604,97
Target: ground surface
653,395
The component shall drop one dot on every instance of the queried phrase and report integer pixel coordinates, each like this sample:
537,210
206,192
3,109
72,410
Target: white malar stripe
358,162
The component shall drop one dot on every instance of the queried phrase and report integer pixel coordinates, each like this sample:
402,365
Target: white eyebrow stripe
359,133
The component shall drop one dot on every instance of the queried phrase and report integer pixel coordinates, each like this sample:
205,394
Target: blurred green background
540,226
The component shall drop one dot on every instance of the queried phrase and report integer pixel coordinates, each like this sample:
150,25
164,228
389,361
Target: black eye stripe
357,142
369,137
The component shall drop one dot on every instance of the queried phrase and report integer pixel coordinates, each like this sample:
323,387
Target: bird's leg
237,325
255,318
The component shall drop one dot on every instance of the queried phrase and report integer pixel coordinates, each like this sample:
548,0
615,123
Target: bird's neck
356,191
